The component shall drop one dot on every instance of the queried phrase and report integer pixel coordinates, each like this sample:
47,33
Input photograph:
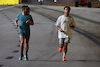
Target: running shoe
26,58
60,50
63,59
21,57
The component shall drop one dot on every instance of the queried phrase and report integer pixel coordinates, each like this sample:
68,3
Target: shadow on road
66,61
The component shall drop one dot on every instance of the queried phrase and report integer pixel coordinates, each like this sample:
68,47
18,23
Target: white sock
63,54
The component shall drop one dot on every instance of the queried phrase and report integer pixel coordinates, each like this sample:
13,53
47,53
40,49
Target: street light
39,0
55,1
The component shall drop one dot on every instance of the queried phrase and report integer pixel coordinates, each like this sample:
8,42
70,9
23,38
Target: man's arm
73,24
16,20
30,22
59,29
58,24
16,23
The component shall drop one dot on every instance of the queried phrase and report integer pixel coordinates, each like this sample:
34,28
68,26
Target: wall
9,2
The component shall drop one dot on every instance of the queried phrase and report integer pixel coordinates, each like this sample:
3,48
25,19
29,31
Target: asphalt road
83,51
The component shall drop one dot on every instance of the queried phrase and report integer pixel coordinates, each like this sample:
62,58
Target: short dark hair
67,7
23,7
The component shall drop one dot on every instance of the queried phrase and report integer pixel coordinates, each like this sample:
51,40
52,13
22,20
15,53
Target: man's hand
28,21
17,25
72,26
61,30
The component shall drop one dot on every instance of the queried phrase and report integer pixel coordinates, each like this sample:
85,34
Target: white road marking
7,7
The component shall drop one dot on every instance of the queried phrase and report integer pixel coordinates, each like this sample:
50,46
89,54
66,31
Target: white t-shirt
62,22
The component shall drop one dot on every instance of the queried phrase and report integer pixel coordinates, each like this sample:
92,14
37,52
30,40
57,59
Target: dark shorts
27,35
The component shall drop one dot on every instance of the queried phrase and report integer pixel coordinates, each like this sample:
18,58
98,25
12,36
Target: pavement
83,51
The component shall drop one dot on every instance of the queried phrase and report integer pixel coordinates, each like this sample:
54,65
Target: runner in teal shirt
24,29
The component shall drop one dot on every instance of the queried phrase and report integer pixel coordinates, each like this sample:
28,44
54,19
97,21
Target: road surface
83,51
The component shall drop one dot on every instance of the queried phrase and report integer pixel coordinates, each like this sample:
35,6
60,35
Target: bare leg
61,45
65,48
21,44
26,46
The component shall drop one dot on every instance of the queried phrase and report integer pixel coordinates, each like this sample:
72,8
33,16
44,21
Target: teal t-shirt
24,27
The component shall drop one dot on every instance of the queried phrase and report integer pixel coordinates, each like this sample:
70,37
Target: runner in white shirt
64,24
